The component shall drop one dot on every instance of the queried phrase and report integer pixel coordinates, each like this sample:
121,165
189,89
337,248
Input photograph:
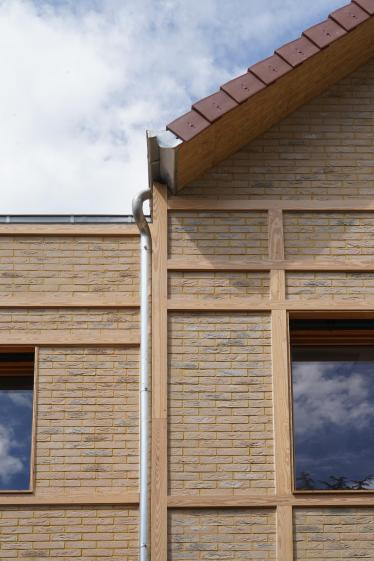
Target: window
16,417
333,404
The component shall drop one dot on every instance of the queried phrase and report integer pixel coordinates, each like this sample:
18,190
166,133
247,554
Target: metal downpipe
145,371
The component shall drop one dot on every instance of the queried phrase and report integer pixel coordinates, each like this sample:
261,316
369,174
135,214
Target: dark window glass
333,416
16,408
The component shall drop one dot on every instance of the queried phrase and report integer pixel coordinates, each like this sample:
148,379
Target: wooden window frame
324,338
35,351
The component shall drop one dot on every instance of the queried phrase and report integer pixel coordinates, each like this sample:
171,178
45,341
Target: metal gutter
162,158
145,370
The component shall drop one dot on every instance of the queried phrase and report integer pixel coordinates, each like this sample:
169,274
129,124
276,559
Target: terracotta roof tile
243,87
349,16
215,105
270,69
367,5
188,126
260,75
297,51
324,33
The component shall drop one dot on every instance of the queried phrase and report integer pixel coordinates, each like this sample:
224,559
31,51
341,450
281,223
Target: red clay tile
214,106
243,87
270,69
349,16
188,126
297,51
367,5
324,33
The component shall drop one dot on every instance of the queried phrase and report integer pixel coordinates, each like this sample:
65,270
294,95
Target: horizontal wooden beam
239,205
69,230
72,338
58,300
326,499
198,304
201,263
74,497
213,304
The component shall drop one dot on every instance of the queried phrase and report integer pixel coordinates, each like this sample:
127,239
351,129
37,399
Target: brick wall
220,404
87,428
334,534
218,284
324,149
66,320
69,264
224,534
218,233
335,234
332,285
85,533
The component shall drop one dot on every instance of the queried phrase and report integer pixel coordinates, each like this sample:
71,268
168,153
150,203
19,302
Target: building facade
262,263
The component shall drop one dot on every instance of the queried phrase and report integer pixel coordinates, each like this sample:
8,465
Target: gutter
145,371
162,158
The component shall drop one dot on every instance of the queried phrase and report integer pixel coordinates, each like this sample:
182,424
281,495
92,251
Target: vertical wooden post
159,376
276,253
281,390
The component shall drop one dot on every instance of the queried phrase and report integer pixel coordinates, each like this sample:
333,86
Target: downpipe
145,371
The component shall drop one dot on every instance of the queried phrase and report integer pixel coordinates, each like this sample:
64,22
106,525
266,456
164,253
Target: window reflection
16,411
333,416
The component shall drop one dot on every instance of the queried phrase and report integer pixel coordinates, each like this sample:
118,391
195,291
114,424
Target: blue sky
83,79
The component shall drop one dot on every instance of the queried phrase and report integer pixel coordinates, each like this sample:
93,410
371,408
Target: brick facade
220,404
69,265
87,430
207,535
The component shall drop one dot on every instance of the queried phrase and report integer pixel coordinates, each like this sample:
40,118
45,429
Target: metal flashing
66,219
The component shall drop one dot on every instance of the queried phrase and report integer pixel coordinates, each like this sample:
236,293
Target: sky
82,81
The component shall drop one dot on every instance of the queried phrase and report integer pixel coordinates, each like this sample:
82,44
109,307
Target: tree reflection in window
333,417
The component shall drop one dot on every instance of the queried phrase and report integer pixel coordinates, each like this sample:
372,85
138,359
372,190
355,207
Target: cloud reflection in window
333,416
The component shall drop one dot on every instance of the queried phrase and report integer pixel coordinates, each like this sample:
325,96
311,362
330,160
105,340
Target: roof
246,106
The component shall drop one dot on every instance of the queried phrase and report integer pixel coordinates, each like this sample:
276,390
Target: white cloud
10,465
82,80
325,397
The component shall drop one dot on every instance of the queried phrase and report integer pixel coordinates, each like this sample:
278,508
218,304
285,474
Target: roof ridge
267,71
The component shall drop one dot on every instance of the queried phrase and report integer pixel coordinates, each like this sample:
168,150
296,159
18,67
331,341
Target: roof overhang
177,162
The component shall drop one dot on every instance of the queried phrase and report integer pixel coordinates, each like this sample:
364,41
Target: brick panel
65,320
69,265
324,149
335,234
335,286
334,534
224,534
219,234
219,284
50,533
87,420
220,404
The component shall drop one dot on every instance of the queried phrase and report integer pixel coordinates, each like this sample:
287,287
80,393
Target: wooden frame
285,499
31,488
